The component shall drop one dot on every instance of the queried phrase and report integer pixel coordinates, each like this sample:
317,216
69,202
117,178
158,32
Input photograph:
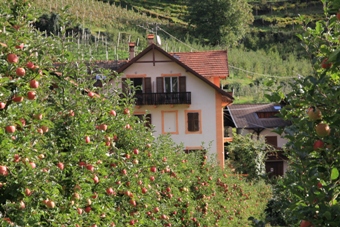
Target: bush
248,156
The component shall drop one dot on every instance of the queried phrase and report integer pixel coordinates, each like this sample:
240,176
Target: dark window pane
193,122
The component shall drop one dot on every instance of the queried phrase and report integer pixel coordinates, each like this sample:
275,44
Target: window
170,122
193,121
146,118
142,85
267,114
271,140
170,84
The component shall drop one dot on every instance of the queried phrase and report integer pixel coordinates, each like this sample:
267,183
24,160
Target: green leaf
334,56
334,174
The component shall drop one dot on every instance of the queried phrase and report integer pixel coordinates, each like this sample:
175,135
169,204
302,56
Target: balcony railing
163,98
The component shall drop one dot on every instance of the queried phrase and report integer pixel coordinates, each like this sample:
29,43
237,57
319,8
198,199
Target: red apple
40,131
124,171
50,204
109,191
144,190
322,129
102,127
10,129
88,209
38,116
18,98
34,84
71,113
133,202
90,94
23,121
79,210
305,223
153,169
132,222
20,46
28,192
12,58
44,128
31,95
156,210
33,165
319,185
90,167
22,205
82,164
2,105
318,144
87,139
3,170
126,111
112,113
314,113
60,165
20,71
152,178
95,179
325,64
136,151
30,65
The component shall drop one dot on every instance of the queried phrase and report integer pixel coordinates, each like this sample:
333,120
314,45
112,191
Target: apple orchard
308,195
73,155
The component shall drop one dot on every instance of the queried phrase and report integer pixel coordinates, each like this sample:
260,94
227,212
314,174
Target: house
180,92
260,120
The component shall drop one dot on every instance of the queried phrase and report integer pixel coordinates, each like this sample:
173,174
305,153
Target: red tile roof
206,63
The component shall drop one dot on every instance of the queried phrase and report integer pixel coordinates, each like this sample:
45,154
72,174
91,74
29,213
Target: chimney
131,50
150,38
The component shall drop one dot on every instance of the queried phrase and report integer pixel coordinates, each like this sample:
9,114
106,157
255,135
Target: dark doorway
274,168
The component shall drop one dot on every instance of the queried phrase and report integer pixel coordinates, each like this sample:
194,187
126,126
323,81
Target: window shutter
182,84
159,85
124,86
147,85
193,122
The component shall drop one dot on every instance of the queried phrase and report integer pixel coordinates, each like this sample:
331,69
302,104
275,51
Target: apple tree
309,193
75,155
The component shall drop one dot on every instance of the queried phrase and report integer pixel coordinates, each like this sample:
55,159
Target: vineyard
101,30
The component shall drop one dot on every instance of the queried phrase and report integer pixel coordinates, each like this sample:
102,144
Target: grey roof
245,116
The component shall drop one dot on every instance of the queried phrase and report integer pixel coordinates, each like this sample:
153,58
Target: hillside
101,31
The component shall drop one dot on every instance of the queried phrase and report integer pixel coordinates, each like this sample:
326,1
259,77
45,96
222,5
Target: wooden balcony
163,98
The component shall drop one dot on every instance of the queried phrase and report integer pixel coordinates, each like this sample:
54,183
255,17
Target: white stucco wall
202,98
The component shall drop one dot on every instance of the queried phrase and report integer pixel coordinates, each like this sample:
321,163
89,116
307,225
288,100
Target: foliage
248,156
74,155
311,187
219,22
250,71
